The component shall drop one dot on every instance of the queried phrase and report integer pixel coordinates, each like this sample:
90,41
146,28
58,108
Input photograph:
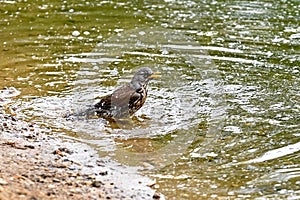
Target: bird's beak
155,75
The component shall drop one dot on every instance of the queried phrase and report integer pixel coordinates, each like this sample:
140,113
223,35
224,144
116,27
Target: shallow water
223,121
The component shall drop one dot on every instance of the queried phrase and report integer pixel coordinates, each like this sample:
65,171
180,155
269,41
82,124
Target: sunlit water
223,120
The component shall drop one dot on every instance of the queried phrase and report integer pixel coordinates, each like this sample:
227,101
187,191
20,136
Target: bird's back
123,102
115,104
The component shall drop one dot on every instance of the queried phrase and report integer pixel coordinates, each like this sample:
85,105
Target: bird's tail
86,114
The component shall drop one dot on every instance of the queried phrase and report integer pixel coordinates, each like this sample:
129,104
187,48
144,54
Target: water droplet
86,33
75,33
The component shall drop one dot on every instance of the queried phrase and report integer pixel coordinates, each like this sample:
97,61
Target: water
223,121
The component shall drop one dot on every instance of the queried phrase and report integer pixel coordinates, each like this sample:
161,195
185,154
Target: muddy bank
37,165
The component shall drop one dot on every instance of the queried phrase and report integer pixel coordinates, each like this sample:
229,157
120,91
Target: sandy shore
37,165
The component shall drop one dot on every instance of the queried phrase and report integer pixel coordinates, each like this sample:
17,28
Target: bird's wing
135,97
104,103
137,100
119,98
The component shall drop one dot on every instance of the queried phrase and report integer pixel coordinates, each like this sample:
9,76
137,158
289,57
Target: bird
127,99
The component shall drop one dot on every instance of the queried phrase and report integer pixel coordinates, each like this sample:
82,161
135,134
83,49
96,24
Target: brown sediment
36,165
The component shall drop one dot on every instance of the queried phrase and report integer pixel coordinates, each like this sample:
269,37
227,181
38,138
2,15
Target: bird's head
142,77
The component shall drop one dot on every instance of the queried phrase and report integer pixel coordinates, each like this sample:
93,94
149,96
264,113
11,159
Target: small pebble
156,195
29,146
97,184
55,180
103,173
66,150
75,190
58,152
3,182
51,186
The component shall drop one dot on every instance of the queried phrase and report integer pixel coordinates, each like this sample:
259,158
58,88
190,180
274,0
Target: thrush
128,99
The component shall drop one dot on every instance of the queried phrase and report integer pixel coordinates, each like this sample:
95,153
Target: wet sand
37,165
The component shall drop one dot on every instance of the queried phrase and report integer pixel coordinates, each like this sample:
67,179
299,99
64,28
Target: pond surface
223,120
